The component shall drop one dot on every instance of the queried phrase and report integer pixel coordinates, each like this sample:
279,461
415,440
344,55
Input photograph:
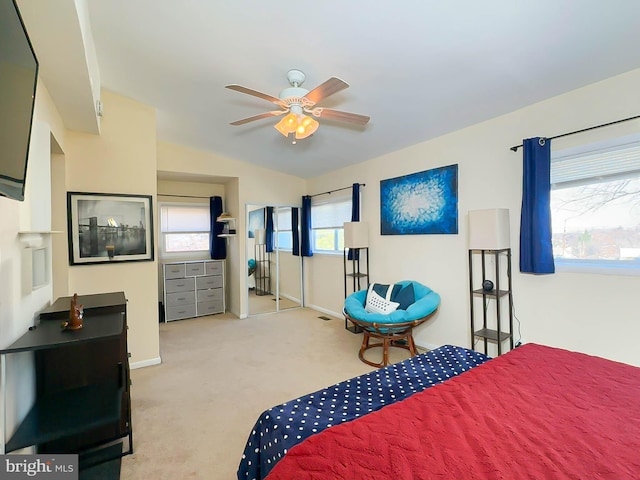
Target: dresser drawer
180,298
213,268
194,269
181,311
209,295
202,283
179,285
208,308
173,271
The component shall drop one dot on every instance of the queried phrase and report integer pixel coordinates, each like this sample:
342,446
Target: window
595,206
184,228
327,220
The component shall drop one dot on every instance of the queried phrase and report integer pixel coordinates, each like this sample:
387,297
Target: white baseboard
290,297
324,310
423,345
145,363
427,346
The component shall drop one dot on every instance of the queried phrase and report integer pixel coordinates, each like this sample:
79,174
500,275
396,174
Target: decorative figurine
75,315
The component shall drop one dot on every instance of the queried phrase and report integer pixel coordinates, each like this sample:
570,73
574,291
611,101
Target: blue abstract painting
420,203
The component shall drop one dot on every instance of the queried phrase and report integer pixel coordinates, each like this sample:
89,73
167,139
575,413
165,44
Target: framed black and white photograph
109,228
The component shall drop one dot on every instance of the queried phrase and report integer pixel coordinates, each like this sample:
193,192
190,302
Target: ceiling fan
296,102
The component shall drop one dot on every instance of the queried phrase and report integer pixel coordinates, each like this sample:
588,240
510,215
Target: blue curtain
536,251
269,229
355,216
295,232
305,227
217,245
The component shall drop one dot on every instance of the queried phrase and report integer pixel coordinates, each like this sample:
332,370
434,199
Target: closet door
274,277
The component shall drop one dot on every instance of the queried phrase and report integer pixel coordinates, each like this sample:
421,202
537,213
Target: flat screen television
18,79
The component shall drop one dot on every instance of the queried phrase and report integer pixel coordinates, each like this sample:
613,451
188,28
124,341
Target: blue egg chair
393,329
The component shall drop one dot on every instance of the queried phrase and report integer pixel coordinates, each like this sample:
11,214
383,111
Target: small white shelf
33,238
230,225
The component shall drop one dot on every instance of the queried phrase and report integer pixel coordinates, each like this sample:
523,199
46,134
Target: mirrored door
274,273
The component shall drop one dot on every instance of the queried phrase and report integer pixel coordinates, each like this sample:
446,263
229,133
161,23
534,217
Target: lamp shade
489,229
261,236
356,234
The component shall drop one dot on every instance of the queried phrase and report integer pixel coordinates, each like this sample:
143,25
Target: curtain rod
336,190
180,196
516,147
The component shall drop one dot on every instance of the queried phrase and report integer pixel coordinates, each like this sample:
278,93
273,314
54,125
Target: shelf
355,274
49,333
491,293
68,413
229,227
34,238
353,328
487,323
492,335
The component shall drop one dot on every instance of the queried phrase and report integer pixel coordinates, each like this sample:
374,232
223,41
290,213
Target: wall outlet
519,343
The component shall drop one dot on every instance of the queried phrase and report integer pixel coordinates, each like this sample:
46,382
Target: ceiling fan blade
255,93
331,86
273,113
331,114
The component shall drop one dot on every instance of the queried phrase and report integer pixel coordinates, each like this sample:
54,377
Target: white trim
324,310
145,363
427,346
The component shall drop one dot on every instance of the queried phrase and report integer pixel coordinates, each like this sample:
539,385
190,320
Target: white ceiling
419,68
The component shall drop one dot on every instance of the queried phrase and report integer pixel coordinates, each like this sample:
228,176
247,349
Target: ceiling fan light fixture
288,124
295,102
306,127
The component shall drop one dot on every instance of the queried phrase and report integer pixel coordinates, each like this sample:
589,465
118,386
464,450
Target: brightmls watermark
41,466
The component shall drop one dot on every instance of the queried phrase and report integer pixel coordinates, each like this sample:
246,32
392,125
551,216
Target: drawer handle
182,311
179,284
182,298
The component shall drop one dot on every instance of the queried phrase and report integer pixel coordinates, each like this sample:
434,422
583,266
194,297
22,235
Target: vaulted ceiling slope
419,68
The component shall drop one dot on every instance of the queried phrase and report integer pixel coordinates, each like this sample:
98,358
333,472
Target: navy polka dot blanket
283,426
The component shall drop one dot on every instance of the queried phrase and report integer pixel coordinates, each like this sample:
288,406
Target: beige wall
596,314
245,183
19,307
121,160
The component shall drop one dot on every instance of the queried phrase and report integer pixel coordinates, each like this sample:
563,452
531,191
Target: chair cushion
404,295
426,302
376,303
401,293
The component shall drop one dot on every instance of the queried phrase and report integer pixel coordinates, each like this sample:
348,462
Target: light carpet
192,414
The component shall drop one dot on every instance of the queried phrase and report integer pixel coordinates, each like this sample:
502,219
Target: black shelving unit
359,278
83,401
501,277
263,270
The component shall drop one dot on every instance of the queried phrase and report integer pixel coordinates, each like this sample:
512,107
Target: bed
535,412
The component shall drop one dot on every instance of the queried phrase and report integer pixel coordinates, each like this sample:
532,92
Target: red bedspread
534,413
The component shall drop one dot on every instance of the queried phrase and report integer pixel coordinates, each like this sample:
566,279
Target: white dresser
193,289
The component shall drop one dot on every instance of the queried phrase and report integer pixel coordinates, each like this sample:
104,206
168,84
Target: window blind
605,164
182,218
331,214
